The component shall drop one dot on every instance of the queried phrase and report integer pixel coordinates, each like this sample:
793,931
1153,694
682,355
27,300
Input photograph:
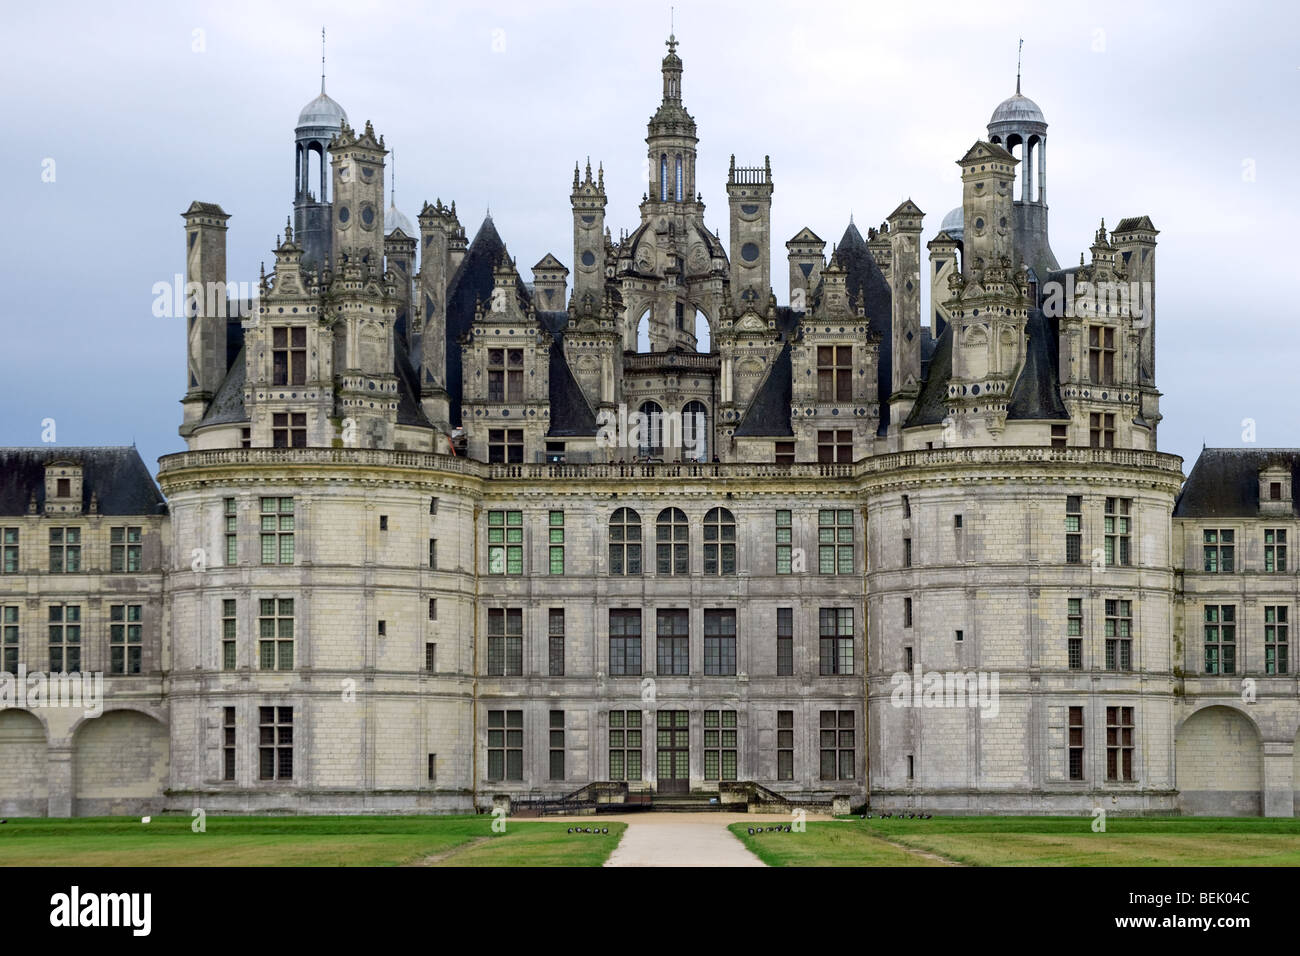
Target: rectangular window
834,373
720,745
836,640
672,642
1074,632
275,743
1059,435
433,506
784,453
277,530
228,634
65,638
124,638
835,445
1119,635
1101,429
784,641
838,750
1220,639
625,643
505,542
9,641
433,768
835,541
555,642
1274,550
505,647
1119,743
625,745
505,370
433,554
430,656
907,612
720,643
228,744
556,542
1218,548
1118,529
1101,355
1073,529
505,446
784,542
433,609
65,550
785,745
231,520
1076,743
275,634
505,745
124,551
907,552
10,560
288,355
1276,634
557,744
289,430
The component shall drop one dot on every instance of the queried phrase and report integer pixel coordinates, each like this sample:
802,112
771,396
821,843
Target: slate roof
227,405
116,475
1037,392
471,284
768,414
865,278
1224,482
571,416
931,406
409,410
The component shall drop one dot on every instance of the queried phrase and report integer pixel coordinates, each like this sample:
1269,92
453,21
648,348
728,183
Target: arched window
679,177
695,432
719,542
672,540
625,542
663,177
652,430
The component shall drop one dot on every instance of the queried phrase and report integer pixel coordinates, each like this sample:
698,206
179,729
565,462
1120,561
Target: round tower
318,122
1018,126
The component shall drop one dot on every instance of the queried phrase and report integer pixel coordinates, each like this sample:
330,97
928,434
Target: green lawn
300,841
1034,841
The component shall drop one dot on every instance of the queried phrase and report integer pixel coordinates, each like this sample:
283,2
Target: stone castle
443,537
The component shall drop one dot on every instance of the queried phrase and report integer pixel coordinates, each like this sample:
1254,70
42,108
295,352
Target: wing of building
633,529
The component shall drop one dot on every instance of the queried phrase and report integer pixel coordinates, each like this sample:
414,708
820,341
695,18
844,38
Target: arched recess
695,432
119,764
1218,764
641,333
651,443
24,780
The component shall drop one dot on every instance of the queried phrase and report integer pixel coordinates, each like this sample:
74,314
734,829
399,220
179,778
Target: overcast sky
1186,112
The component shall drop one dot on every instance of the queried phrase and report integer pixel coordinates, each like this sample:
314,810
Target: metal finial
322,61
1019,51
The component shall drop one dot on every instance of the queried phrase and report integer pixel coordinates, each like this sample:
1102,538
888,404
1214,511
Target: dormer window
1275,490
63,488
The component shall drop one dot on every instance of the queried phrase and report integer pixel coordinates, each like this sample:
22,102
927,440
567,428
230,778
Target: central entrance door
672,737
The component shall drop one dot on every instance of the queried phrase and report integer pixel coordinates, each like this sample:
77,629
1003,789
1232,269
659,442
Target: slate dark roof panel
866,279
571,416
931,406
471,284
1037,392
409,410
116,475
768,415
227,406
1224,482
